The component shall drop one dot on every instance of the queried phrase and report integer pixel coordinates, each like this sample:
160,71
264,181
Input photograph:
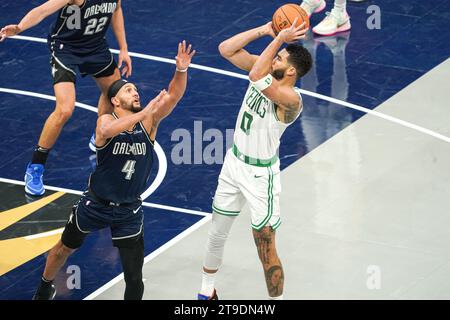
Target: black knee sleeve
73,237
132,258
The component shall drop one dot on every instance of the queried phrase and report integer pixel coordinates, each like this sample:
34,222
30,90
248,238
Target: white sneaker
313,6
334,22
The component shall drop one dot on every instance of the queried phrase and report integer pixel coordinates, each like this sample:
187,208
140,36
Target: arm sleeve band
263,83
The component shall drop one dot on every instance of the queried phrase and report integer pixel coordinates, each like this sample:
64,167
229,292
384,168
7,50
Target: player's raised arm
177,85
283,96
32,18
233,50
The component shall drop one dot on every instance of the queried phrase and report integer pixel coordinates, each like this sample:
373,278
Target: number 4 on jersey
128,168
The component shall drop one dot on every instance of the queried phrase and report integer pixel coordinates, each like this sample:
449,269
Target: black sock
40,155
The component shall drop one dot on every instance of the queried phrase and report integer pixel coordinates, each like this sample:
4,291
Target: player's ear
115,101
291,71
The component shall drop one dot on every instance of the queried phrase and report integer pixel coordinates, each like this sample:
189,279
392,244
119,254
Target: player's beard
134,108
278,74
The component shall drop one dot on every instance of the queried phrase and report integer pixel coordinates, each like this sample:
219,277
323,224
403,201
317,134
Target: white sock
207,283
340,5
276,298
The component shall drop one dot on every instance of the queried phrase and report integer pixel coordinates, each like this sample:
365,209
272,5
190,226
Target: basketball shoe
313,6
34,184
203,297
335,21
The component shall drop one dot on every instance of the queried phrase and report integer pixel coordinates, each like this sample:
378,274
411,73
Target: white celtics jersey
258,129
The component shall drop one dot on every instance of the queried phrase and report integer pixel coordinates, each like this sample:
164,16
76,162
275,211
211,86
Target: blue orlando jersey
85,26
123,166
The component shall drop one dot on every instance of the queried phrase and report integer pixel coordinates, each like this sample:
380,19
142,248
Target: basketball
285,15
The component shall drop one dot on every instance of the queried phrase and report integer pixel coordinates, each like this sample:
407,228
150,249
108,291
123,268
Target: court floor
365,180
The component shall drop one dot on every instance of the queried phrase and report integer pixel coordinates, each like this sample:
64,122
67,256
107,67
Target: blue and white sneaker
92,143
34,184
203,297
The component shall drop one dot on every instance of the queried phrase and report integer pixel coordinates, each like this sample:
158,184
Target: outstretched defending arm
175,92
34,17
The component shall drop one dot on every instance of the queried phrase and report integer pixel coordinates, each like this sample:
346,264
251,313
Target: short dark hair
300,58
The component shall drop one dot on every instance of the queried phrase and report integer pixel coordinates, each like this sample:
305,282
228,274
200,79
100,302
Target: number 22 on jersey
95,25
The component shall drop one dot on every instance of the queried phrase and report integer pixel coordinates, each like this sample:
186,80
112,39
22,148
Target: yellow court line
17,251
11,216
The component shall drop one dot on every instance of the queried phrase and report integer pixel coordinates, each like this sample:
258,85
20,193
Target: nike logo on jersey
136,211
257,176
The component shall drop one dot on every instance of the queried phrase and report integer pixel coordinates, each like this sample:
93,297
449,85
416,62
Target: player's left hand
9,31
184,56
125,58
293,34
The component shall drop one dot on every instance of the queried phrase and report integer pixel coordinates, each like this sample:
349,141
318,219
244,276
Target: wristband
182,70
263,83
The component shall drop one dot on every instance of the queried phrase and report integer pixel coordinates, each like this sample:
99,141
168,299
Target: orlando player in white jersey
251,171
124,142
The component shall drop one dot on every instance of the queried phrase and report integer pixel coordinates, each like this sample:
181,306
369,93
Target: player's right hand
269,29
9,31
293,34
